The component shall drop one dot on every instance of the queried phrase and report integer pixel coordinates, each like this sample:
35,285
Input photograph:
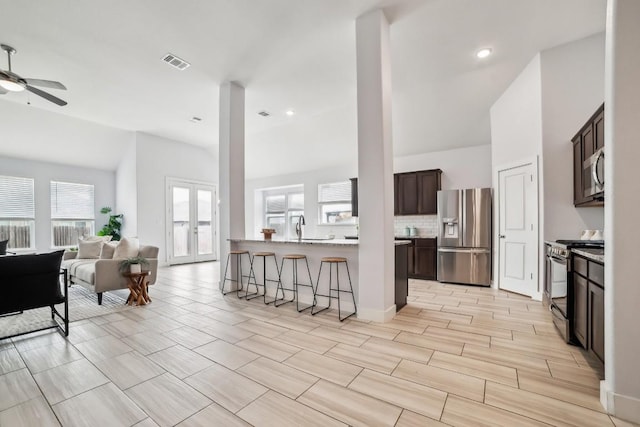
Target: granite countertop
596,255
417,237
327,242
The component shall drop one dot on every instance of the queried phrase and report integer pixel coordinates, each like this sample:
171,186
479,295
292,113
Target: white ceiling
289,54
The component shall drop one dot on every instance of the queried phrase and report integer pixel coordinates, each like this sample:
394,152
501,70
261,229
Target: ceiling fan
12,82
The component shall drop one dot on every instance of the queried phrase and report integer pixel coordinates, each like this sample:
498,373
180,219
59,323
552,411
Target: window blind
16,197
334,192
275,204
72,201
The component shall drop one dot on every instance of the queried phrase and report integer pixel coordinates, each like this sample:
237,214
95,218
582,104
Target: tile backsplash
427,225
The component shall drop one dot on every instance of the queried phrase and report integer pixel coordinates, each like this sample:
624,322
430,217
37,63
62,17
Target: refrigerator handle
462,205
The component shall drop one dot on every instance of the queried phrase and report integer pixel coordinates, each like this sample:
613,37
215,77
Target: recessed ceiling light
290,112
483,53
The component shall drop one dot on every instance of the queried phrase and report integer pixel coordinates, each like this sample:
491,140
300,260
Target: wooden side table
138,287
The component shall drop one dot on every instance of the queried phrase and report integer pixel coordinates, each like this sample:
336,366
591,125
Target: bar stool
334,261
294,258
239,276
264,256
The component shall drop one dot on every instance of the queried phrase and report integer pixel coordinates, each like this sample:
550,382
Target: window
72,212
17,212
282,208
334,203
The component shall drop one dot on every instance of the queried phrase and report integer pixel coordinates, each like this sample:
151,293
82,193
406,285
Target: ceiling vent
176,62
264,113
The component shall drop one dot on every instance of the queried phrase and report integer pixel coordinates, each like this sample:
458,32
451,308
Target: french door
191,221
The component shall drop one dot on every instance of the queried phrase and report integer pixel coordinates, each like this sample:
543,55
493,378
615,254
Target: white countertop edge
328,242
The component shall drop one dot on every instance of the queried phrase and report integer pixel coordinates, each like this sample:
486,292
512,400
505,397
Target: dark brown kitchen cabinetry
588,140
580,301
414,193
354,196
588,295
417,192
425,259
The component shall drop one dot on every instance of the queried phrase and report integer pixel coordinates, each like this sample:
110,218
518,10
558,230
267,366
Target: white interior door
518,229
191,225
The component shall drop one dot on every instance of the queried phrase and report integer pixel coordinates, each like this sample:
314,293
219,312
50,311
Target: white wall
43,173
156,159
516,135
572,90
468,167
127,191
516,118
54,137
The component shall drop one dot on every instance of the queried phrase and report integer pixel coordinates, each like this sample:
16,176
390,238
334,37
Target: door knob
502,236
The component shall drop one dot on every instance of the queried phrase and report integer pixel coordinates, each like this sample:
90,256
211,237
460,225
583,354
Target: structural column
231,143
620,391
375,168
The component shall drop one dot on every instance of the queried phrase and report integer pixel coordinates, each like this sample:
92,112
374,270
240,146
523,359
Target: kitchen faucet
299,225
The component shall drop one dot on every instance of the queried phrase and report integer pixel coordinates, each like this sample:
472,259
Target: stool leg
316,294
313,292
224,281
278,284
241,278
256,294
353,297
284,301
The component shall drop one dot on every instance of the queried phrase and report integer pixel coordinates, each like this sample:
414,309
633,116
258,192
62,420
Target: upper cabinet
588,162
415,193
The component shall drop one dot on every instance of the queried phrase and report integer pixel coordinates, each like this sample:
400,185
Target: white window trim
286,191
321,223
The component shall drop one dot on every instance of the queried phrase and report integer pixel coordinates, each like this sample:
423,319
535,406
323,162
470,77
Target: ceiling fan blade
46,96
46,83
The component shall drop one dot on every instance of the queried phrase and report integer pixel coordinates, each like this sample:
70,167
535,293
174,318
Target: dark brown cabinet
354,196
587,141
417,192
425,263
422,259
580,301
414,193
588,305
401,276
596,321
407,193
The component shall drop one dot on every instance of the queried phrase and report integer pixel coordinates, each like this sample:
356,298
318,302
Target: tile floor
455,355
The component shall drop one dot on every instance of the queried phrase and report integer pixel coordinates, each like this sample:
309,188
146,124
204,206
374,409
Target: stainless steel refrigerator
464,236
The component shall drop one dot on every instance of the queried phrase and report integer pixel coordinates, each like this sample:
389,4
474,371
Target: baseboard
537,296
380,316
624,407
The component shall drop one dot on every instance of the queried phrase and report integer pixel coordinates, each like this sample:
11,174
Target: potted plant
133,265
113,226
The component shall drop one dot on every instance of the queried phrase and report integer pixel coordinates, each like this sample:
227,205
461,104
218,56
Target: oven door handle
557,259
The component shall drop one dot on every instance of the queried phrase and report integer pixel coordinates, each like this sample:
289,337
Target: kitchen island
315,250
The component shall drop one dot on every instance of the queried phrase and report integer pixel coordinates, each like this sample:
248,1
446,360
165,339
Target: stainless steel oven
556,288
558,284
593,174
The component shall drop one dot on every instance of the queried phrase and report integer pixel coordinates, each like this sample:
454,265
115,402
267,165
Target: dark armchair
33,281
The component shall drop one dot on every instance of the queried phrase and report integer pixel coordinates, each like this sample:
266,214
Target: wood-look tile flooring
455,355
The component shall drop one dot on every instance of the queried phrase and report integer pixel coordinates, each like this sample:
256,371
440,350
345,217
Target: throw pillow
108,248
127,248
96,238
89,250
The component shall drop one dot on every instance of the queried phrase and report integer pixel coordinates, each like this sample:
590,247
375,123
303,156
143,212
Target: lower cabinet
596,321
423,264
580,304
401,276
588,305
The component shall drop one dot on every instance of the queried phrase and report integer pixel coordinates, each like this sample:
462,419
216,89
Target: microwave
593,175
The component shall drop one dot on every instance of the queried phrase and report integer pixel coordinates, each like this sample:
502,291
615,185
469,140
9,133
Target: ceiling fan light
11,86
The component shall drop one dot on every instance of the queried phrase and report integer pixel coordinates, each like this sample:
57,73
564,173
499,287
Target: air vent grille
176,62
264,113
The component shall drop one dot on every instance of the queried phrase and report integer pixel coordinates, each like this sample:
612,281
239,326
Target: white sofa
101,275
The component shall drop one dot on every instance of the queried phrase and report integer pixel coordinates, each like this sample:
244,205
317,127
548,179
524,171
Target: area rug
83,304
